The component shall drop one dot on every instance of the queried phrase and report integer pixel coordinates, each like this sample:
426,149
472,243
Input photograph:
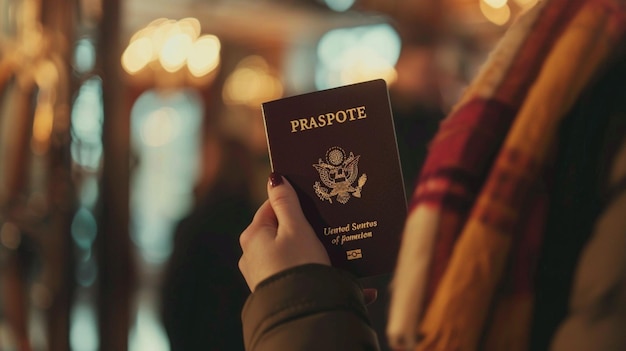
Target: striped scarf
465,273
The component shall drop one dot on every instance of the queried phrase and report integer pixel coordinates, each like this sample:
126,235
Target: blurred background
133,152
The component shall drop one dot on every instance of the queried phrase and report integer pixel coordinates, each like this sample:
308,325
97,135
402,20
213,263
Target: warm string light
499,11
46,77
174,45
252,83
496,11
496,4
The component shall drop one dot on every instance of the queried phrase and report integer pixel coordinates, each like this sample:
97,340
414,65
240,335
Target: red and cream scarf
464,278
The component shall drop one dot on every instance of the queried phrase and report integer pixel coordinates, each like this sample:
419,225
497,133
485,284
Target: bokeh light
339,5
84,55
174,45
351,55
252,83
137,55
84,228
173,54
42,127
496,4
83,333
160,127
165,137
499,16
204,55
87,118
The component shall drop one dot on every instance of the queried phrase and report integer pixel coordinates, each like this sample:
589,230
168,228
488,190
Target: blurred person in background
202,291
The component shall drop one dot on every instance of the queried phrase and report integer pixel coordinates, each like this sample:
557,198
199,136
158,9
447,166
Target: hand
279,236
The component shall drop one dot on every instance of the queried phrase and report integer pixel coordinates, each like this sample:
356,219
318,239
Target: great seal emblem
339,173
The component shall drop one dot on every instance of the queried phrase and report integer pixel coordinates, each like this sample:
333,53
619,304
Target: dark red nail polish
275,180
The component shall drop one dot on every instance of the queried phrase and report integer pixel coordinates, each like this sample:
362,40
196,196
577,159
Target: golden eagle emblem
338,174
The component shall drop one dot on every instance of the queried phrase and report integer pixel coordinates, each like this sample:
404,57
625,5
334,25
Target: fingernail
275,179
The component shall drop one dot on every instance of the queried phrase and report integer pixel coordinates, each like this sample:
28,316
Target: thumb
284,201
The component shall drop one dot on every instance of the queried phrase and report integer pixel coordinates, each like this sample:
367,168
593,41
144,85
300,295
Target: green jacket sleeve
309,307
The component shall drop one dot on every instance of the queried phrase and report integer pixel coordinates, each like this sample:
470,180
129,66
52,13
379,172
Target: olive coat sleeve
309,307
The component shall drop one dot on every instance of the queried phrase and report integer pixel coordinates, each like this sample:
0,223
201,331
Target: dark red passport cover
338,148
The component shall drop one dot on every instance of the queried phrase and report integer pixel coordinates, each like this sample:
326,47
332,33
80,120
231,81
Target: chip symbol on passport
354,254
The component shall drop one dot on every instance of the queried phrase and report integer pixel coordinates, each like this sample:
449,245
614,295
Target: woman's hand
279,236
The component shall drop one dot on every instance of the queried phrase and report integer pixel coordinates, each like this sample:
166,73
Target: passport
338,149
